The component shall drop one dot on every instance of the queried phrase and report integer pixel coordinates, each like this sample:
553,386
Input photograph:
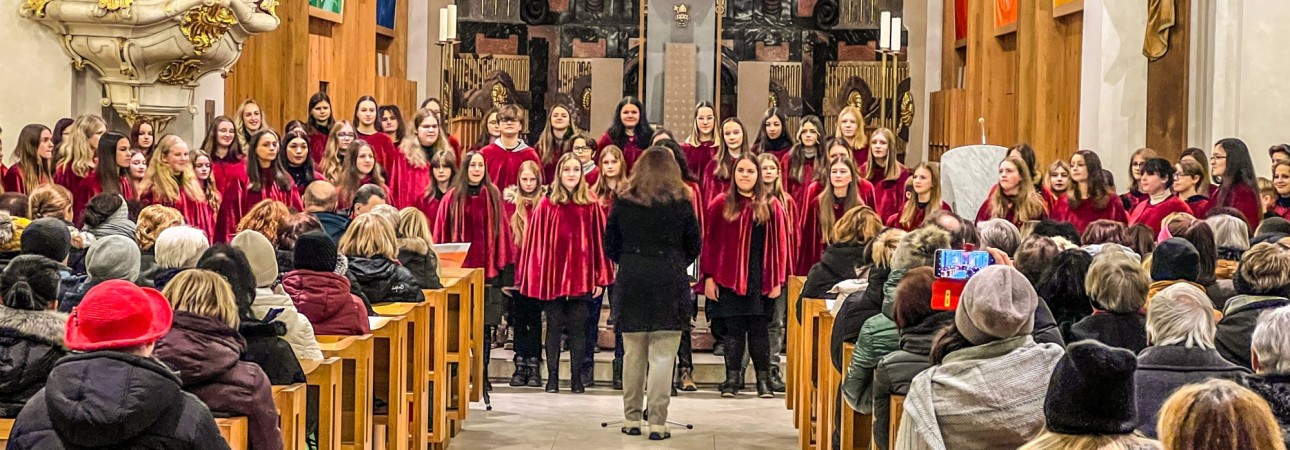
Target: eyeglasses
1218,157
345,135
581,148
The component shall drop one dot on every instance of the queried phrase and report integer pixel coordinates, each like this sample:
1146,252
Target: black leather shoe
763,385
575,383
553,381
653,436
631,431
731,386
776,379
589,376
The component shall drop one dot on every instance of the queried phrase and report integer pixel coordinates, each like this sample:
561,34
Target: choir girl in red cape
1091,196
850,128
552,142
435,106
771,136
443,170
1057,182
112,175
1198,156
1191,185
410,168
267,178
358,171
138,171
772,180
249,120
745,255
1281,184
700,145
491,131
1027,154
319,127
365,125
1156,181
1239,190
342,135
630,131
228,160
925,185
202,169
1135,195
143,136
505,154
562,264
75,166
734,143
884,170
799,162
519,200
293,125
295,156
525,311
826,202
35,166
610,175
392,123
170,182
1013,198
584,148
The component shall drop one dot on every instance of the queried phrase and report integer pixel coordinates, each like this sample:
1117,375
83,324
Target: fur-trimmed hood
917,248
45,325
414,245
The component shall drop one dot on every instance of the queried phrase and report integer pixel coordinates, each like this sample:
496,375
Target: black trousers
753,331
526,321
685,352
565,315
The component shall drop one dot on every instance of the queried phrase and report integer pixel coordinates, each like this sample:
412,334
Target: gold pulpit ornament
682,14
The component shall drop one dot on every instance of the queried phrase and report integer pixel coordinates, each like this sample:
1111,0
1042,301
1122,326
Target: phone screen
960,264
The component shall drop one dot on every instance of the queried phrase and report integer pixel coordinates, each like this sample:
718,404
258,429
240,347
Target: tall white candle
884,34
452,22
896,34
443,24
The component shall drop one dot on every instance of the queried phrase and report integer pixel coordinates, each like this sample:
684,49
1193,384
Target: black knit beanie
315,251
1175,259
47,237
1091,391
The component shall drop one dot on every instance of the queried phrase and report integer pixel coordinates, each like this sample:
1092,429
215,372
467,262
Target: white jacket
300,333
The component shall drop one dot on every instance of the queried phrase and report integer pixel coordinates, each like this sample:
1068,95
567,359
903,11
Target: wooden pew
808,373
438,435
233,430
856,429
793,328
897,410
417,364
325,376
389,377
6,427
355,352
290,400
475,288
827,381
465,308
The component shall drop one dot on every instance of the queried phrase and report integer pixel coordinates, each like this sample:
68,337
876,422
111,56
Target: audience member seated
373,259
1232,238
31,332
1180,327
15,203
1261,284
271,302
319,293
1104,232
859,306
1271,225
54,202
1061,287
320,200
1000,234
842,258
1090,401
1054,229
204,348
367,197
1117,285
132,400
295,226
152,221
1034,254
1140,239
918,323
114,257
1175,261
1270,347
178,248
11,228
990,371
269,217
265,342
416,248
108,215
1218,414
52,239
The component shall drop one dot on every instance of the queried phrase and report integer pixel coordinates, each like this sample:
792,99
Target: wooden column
272,70
1049,80
1167,89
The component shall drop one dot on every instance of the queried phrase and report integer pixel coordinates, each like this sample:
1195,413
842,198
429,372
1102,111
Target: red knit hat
117,314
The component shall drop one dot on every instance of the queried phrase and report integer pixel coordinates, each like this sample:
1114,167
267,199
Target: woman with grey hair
1270,351
1000,234
1180,328
1232,239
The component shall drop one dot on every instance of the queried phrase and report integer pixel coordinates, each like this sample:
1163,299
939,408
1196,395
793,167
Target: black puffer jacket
30,343
896,370
114,400
415,254
1275,388
266,347
838,263
383,280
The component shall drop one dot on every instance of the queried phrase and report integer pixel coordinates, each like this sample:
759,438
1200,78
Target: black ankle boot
763,384
589,375
575,382
553,377
743,378
535,371
618,374
776,379
731,386
521,376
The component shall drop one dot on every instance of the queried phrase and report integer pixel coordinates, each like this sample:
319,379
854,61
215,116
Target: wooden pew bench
355,353
325,382
233,430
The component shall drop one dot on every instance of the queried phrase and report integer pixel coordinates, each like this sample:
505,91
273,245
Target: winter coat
1164,369
1240,314
275,305
856,309
333,224
1275,388
68,282
206,353
114,400
896,370
652,292
417,256
266,347
1123,330
384,281
147,267
960,403
286,260
30,343
878,337
162,277
325,299
838,263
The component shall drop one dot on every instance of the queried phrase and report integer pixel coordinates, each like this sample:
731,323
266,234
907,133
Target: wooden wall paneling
347,60
1167,87
950,61
398,91
398,49
991,76
270,68
1049,80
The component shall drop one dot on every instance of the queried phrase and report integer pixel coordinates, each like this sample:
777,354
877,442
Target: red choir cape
795,189
470,222
1242,198
229,173
1200,206
889,195
91,187
510,199
382,147
407,182
697,157
630,151
592,176
196,214
725,249
791,210
712,185
13,180
1051,199
893,221
549,169
562,254
811,246
430,207
696,197
317,146
82,188
1281,208
1087,211
239,198
504,165
1151,215
1132,198
860,155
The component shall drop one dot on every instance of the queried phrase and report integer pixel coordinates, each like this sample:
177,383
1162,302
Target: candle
452,22
896,37
884,35
443,24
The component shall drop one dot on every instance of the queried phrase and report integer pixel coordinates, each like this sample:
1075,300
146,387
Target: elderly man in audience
1270,355
1261,283
320,200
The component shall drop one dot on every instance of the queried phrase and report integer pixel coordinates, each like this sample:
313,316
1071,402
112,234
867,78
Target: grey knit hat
997,303
113,257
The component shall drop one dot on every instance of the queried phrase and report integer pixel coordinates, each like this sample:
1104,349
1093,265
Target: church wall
1113,83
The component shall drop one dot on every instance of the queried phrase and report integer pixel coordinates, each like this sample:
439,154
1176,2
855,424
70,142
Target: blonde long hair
204,293
933,195
160,180
548,144
859,141
581,195
695,138
1028,205
370,235
76,151
330,164
524,202
602,190
411,145
891,164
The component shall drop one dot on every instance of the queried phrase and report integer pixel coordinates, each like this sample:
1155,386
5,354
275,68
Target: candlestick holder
447,58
